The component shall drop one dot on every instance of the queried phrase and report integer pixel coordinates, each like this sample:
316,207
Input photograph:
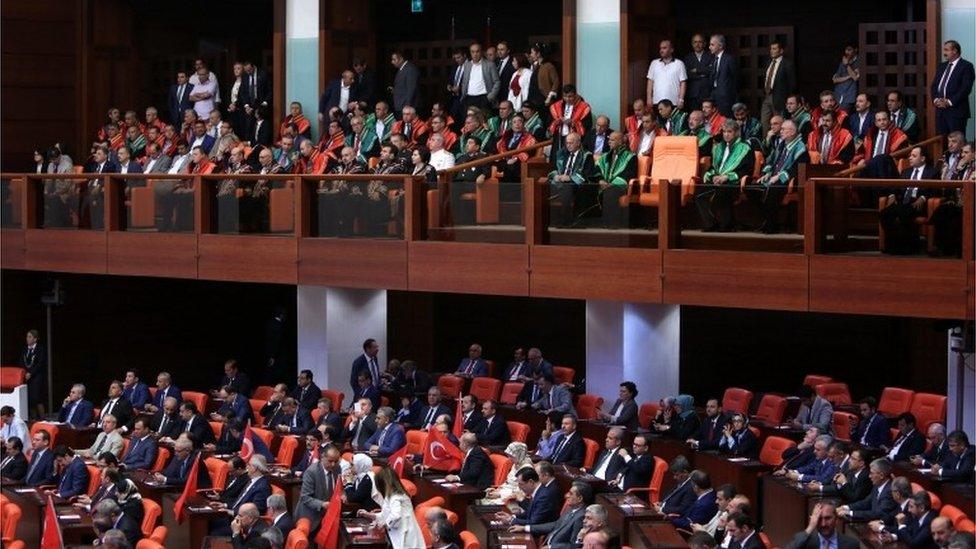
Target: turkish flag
328,535
398,460
189,489
440,453
251,444
51,538
458,419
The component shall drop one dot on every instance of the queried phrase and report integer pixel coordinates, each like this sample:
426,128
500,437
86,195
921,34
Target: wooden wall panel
12,251
617,274
135,253
971,297
351,263
73,251
248,259
494,269
736,279
889,286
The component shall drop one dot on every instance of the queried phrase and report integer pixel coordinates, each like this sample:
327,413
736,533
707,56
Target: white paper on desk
514,546
356,530
738,459
496,523
24,490
783,427
631,505
69,517
439,480
925,471
198,509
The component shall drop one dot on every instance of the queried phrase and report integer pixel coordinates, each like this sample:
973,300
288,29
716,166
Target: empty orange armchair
11,377
772,450
218,470
587,405
674,158
503,464
646,413
469,540
199,399
416,440
450,385
737,400
563,374
844,423
895,401
834,392
953,513
771,409
812,380
335,396
151,511
262,393
162,457
592,449
486,388
94,478
9,518
518,431
928,408
287,451
510,392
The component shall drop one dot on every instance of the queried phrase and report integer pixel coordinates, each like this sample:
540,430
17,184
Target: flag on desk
440,453
458,419
51,538
328,535
398,460
189,489
251,444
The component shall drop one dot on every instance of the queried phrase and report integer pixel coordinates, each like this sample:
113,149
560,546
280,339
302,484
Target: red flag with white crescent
398,460
440,453
458,419
51,537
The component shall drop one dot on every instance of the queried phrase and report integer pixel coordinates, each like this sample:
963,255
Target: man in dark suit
235,378
328,416
959,461
362,426
564,531
860,122
235,406
494,429
704,507
597,139
279,516
74,477
570,449
473,365
195,424
710,431
505,68
681,497
14,464
76,410
539,364
117,406
697,64
723,75
821,528
257,489
34,361
164,389
518,369
950,90
742,528
854,484
779,82
178,469
365,81
306,392
432,410
247,526
909,441
470,414
878,504
937,447
388,437
610,461
255,88
107,515
134,390
915,527
272,410
366,362
476,469
540,485
367,390
294,420
142,448
405,87
166,422
41,467
340,93
179,98
639,468
900,237
624,411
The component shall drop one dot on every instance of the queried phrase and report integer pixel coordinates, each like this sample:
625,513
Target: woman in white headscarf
358,483
518,452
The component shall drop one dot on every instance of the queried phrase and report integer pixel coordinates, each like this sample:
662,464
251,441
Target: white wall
969,389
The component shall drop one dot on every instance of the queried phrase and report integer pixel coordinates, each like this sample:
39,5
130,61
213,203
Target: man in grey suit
814,412
318,482
822,531
156,161
555,398
479,81
60,195
405,90
562,533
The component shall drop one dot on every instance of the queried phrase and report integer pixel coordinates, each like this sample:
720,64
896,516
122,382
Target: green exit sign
417,6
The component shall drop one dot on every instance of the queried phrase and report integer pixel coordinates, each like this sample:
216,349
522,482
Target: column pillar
961,388
302,57
959,24
598,55
332,325
636,342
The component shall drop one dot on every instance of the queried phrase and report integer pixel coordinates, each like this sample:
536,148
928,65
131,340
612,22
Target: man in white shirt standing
479,82
666,77
203,94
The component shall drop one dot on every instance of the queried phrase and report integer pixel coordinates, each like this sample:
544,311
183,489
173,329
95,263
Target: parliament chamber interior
460,275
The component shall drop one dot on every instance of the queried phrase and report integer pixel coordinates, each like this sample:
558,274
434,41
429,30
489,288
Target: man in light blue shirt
11,425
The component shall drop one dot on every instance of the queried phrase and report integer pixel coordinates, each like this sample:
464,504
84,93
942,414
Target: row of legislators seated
519,451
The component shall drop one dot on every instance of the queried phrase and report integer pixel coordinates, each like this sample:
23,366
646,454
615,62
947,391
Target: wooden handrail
900,153
495,157
853,182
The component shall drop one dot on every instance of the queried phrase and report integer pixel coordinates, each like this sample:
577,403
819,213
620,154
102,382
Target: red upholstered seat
646,413
199,399
844,423
11,377
737,400
262,393
812,380
895,401
592,449
587,405
450,386
518,431
563,374
928,408
503,464
772,450
485,388
335,396
835,393
510,392
771,409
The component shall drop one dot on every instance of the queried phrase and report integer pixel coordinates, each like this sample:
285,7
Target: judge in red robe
833,142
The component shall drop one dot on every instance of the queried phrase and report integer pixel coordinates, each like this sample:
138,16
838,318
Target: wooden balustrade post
811,219
968,219
114,203
31,205
302,211
202,212
534,211
414,226
669,229
444,204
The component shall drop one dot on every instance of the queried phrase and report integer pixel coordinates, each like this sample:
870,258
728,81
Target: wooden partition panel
353,263
80,251
736,279
893,58
12,250
493,269
255,259
750,45
616,274
135,253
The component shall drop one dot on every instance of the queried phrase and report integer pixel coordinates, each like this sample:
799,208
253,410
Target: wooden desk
479,521
33,506
73,437
597,431
785,508
77,531
149,489
863,533
566,476
744,475
952,493
500,538
292,486
783,430
668,449
355,532
620,518
195,527
535,421
456,498
657,535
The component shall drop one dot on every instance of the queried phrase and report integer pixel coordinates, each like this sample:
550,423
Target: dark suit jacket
526,394
783,84
572,453
856,127
138,394
936,454
928,172
262,93
958,468
957,89
257,494
241,382
563,532
638,471
543,507
82,417
812,541
698,80
494,433
523,370
177,470
360,365
200,431
285,524
628,414
141,455
16,468
122,411
425,411
480,368
360,493
678,500
311,397
179,105
709,435
366,86
173,391
754,542
477,469
876,425
174,425
725,81
240,409
700,512
43,471
878,505
856,489
369,427
271,412
913,445
504,76
615,466
331,95
130,527
417,384
917,534
334,420
474,421
405,87
299,423
589,141
369,392
73,481
746,444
